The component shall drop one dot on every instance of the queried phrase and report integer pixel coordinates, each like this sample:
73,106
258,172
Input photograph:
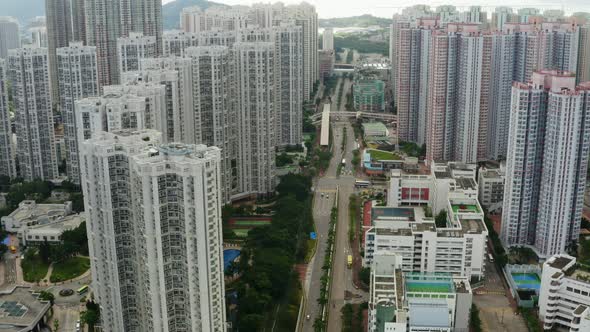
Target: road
326,185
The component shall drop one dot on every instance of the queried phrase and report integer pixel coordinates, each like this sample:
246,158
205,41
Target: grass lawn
310,250
383,155
69,269
34,269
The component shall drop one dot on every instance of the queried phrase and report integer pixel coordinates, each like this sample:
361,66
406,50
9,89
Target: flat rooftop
19,309
393,212
466,183
560,262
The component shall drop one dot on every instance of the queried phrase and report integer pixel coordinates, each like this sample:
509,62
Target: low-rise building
459,248
490,181
376,129
416,302
369,95
564,297
419,186
21,310
34,223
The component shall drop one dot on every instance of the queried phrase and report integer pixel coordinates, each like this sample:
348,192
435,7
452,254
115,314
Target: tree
441,219
45,251
365,275
56,325
91,316
47,296
474,320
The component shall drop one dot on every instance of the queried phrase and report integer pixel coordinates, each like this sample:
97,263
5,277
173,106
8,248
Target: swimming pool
229,255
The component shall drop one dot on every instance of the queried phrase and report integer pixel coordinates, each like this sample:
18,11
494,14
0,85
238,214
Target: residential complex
7,153
160,284
77,74
564,298
28,72
328,39
132,49
549,141
405,301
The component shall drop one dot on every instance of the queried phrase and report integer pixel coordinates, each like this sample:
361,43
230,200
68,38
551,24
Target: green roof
465,208
383,155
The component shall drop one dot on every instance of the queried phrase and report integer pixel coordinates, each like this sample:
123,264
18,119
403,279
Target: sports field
242,225
429,287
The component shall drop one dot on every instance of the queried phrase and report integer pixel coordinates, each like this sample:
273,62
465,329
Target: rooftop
20,309
466,183
394,212
465,208
429,313
559,262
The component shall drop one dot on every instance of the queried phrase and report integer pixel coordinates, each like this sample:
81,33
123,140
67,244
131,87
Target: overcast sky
385,8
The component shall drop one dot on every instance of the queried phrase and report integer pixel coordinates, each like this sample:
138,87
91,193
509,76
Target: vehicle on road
490,258
82,289
349,261
12,249
308,317
362,184
343,161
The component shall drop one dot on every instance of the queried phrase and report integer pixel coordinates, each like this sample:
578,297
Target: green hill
362,21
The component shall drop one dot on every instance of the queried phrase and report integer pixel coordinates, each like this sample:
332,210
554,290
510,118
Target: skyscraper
28,71
454,95
328,39
7,166
64,25
107,20
214,121
77,74
9,35
583,74
305,16
155,244
131,50
257,112
549,140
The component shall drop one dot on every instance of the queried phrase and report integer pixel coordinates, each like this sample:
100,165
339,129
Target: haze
385,8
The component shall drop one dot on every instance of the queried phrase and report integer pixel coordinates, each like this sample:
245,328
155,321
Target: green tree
441,219
365,275
475,321
45,251
91,316
47,296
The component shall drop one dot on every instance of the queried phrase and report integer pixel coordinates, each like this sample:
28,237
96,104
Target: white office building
156,243
77,75
458,248
7,165
490,184
131,50
549,142
564,297
416,302
28,71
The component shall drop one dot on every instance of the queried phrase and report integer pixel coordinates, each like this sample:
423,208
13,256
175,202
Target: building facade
9,35
28,71
131,50
7,153
169,195
564,297
549,140
77,74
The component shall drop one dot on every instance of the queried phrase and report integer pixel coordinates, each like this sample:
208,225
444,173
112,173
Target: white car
78,326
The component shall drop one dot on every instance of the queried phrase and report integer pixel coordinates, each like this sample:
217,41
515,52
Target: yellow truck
349,261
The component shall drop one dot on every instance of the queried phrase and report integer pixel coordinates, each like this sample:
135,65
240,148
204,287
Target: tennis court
527,280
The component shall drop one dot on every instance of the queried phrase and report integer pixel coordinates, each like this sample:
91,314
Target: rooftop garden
383,155
465,208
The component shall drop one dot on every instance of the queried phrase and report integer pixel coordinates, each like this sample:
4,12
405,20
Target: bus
349,261
362,184
82,289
